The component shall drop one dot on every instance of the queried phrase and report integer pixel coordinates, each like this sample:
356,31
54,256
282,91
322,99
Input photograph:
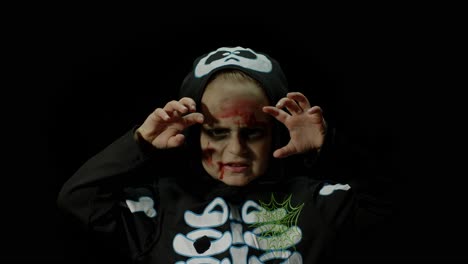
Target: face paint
244,111
221,170
208,158
236,134
207,154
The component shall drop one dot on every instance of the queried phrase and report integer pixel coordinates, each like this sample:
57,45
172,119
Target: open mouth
235,167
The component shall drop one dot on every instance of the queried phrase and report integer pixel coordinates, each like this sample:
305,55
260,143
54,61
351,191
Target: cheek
263,152
263,147
207,156
264,157
208,150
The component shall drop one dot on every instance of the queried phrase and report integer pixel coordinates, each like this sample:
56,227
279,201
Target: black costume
152,210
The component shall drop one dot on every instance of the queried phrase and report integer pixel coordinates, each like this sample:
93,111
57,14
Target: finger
161,141
193,118
189,103
300,98
175,106
317,114
279,114
176,141
293,107
284,152
160,113
281,102
169,140
315,110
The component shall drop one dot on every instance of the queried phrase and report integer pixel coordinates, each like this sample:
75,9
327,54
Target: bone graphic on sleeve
330,188
145,204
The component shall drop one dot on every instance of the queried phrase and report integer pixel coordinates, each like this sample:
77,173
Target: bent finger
278,114
193,118
160,113
284,152
189,103
315,110
280,103
293,107
176,141
175,106
300,98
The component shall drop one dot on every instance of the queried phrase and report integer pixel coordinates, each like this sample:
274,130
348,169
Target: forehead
223,93
232,107
237,112
228,99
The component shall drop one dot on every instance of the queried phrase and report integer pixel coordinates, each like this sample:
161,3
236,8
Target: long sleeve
93,189
370,180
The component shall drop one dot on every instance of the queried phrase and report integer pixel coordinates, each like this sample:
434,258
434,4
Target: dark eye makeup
247,133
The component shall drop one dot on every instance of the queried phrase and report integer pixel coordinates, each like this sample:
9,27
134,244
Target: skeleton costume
148,213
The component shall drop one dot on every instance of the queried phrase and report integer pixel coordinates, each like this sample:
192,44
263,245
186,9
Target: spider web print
276,221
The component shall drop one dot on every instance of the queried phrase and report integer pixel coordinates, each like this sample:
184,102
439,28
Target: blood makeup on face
208,158
244,113
208,154
243,109
221,170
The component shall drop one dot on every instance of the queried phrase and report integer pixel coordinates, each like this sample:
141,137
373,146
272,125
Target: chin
236,180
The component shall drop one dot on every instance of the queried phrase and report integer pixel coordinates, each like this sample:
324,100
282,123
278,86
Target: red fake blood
244,109
207,154
221,170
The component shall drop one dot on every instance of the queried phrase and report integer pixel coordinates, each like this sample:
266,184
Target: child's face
236,135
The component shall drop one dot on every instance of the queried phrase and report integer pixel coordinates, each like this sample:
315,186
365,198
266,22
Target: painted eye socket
253,133
217,133
245,133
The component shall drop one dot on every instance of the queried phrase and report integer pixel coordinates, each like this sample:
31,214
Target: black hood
259,66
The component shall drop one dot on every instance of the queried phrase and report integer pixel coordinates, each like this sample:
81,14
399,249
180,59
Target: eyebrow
257,124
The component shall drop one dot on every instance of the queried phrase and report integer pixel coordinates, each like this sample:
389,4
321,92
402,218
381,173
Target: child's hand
164,126
306,125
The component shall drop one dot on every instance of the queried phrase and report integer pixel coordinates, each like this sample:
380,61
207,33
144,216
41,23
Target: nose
236,145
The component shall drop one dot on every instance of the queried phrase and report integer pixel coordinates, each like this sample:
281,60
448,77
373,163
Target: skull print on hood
259,66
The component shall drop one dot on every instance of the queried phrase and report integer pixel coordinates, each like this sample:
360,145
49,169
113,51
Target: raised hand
306,125
164,126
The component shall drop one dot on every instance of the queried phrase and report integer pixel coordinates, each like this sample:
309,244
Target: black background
86,74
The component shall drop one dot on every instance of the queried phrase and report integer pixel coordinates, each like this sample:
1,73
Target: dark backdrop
88,74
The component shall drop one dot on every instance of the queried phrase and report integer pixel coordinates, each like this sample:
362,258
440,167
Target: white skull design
243,57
